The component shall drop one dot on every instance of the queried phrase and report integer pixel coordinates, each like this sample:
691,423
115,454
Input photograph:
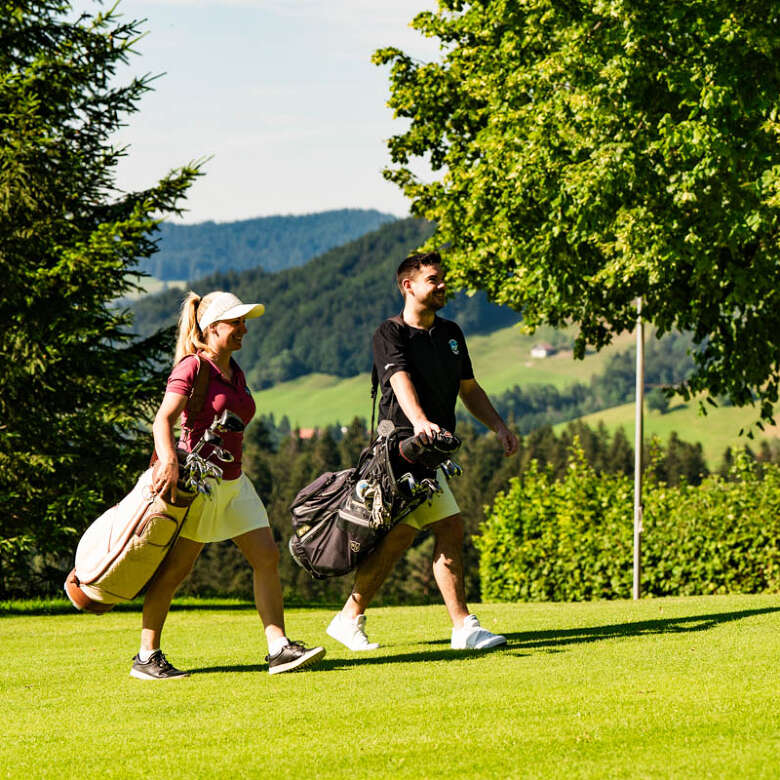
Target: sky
281,94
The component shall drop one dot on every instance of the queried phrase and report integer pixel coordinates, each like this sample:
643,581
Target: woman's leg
260,550
158,598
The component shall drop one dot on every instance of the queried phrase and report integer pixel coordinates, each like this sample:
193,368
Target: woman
212,328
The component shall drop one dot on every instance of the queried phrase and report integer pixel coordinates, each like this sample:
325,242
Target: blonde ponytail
189,338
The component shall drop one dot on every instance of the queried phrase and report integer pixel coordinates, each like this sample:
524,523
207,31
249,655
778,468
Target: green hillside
272,243
716,431
319,317
151,285
501,360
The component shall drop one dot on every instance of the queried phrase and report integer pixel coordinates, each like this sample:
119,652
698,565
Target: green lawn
660,688
716,431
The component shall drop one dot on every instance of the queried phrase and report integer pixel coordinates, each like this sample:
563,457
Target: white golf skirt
232,509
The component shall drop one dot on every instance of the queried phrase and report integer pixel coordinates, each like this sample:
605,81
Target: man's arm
476,401
408,400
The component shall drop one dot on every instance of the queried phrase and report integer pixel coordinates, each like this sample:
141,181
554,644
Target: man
423,366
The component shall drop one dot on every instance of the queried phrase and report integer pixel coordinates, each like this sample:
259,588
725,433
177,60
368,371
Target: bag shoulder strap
200,387
197,397
398,319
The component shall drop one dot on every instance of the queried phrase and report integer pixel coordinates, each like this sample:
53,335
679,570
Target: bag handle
374,386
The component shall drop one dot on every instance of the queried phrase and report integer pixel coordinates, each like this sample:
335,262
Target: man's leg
467,634
372,573
348,626
448,566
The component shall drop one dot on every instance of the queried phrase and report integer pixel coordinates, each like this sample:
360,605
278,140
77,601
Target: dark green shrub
571,539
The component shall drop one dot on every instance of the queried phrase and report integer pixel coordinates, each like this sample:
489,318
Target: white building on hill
542,350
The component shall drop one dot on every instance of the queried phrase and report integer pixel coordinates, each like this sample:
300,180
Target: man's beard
435,301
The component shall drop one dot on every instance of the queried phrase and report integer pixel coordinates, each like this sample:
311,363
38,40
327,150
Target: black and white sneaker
156,668
294,656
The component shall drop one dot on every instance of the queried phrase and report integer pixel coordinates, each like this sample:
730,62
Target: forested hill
273,243
320,317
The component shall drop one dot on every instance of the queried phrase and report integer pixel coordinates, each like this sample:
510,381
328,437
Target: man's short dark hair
414,263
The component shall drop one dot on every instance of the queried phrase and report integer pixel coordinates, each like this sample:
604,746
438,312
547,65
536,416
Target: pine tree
76,388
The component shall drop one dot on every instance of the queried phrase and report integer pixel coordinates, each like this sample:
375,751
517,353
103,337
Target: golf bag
121,550
340,518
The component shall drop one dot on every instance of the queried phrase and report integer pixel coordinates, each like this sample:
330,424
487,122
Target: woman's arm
166,470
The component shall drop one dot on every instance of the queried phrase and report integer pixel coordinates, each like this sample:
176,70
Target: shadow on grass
534,640
364,659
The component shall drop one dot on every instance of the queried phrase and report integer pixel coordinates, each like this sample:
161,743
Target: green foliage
271,243
571,539
657,400
667,361
75,386
320,317
591,153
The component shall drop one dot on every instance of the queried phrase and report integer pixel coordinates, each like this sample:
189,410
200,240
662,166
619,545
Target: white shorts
232,509
443,505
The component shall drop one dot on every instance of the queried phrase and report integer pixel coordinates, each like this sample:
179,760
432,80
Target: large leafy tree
588,153
75,385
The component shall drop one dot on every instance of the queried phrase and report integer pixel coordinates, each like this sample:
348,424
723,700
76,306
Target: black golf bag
340,518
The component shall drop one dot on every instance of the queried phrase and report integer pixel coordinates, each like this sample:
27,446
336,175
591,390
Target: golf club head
361,489
430,486
385,428
451,469
227,421
212,471
211,437
412,487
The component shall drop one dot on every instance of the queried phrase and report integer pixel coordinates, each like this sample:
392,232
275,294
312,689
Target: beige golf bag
120,552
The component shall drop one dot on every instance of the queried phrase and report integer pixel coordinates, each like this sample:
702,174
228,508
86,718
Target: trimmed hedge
572,539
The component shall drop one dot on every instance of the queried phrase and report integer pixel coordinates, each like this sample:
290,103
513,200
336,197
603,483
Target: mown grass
658,688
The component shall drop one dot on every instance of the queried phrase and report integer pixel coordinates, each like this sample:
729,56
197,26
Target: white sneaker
351,633
473,637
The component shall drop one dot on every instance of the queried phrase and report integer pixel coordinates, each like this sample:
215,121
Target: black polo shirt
436,360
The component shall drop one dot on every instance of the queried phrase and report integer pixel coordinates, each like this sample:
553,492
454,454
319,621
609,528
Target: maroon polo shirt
222,394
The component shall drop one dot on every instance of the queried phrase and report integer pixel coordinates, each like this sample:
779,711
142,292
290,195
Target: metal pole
638,439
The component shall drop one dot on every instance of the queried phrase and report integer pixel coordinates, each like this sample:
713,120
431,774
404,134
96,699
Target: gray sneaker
156,668
294,655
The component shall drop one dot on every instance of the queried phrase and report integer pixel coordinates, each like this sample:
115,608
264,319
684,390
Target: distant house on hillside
542,350
307,433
